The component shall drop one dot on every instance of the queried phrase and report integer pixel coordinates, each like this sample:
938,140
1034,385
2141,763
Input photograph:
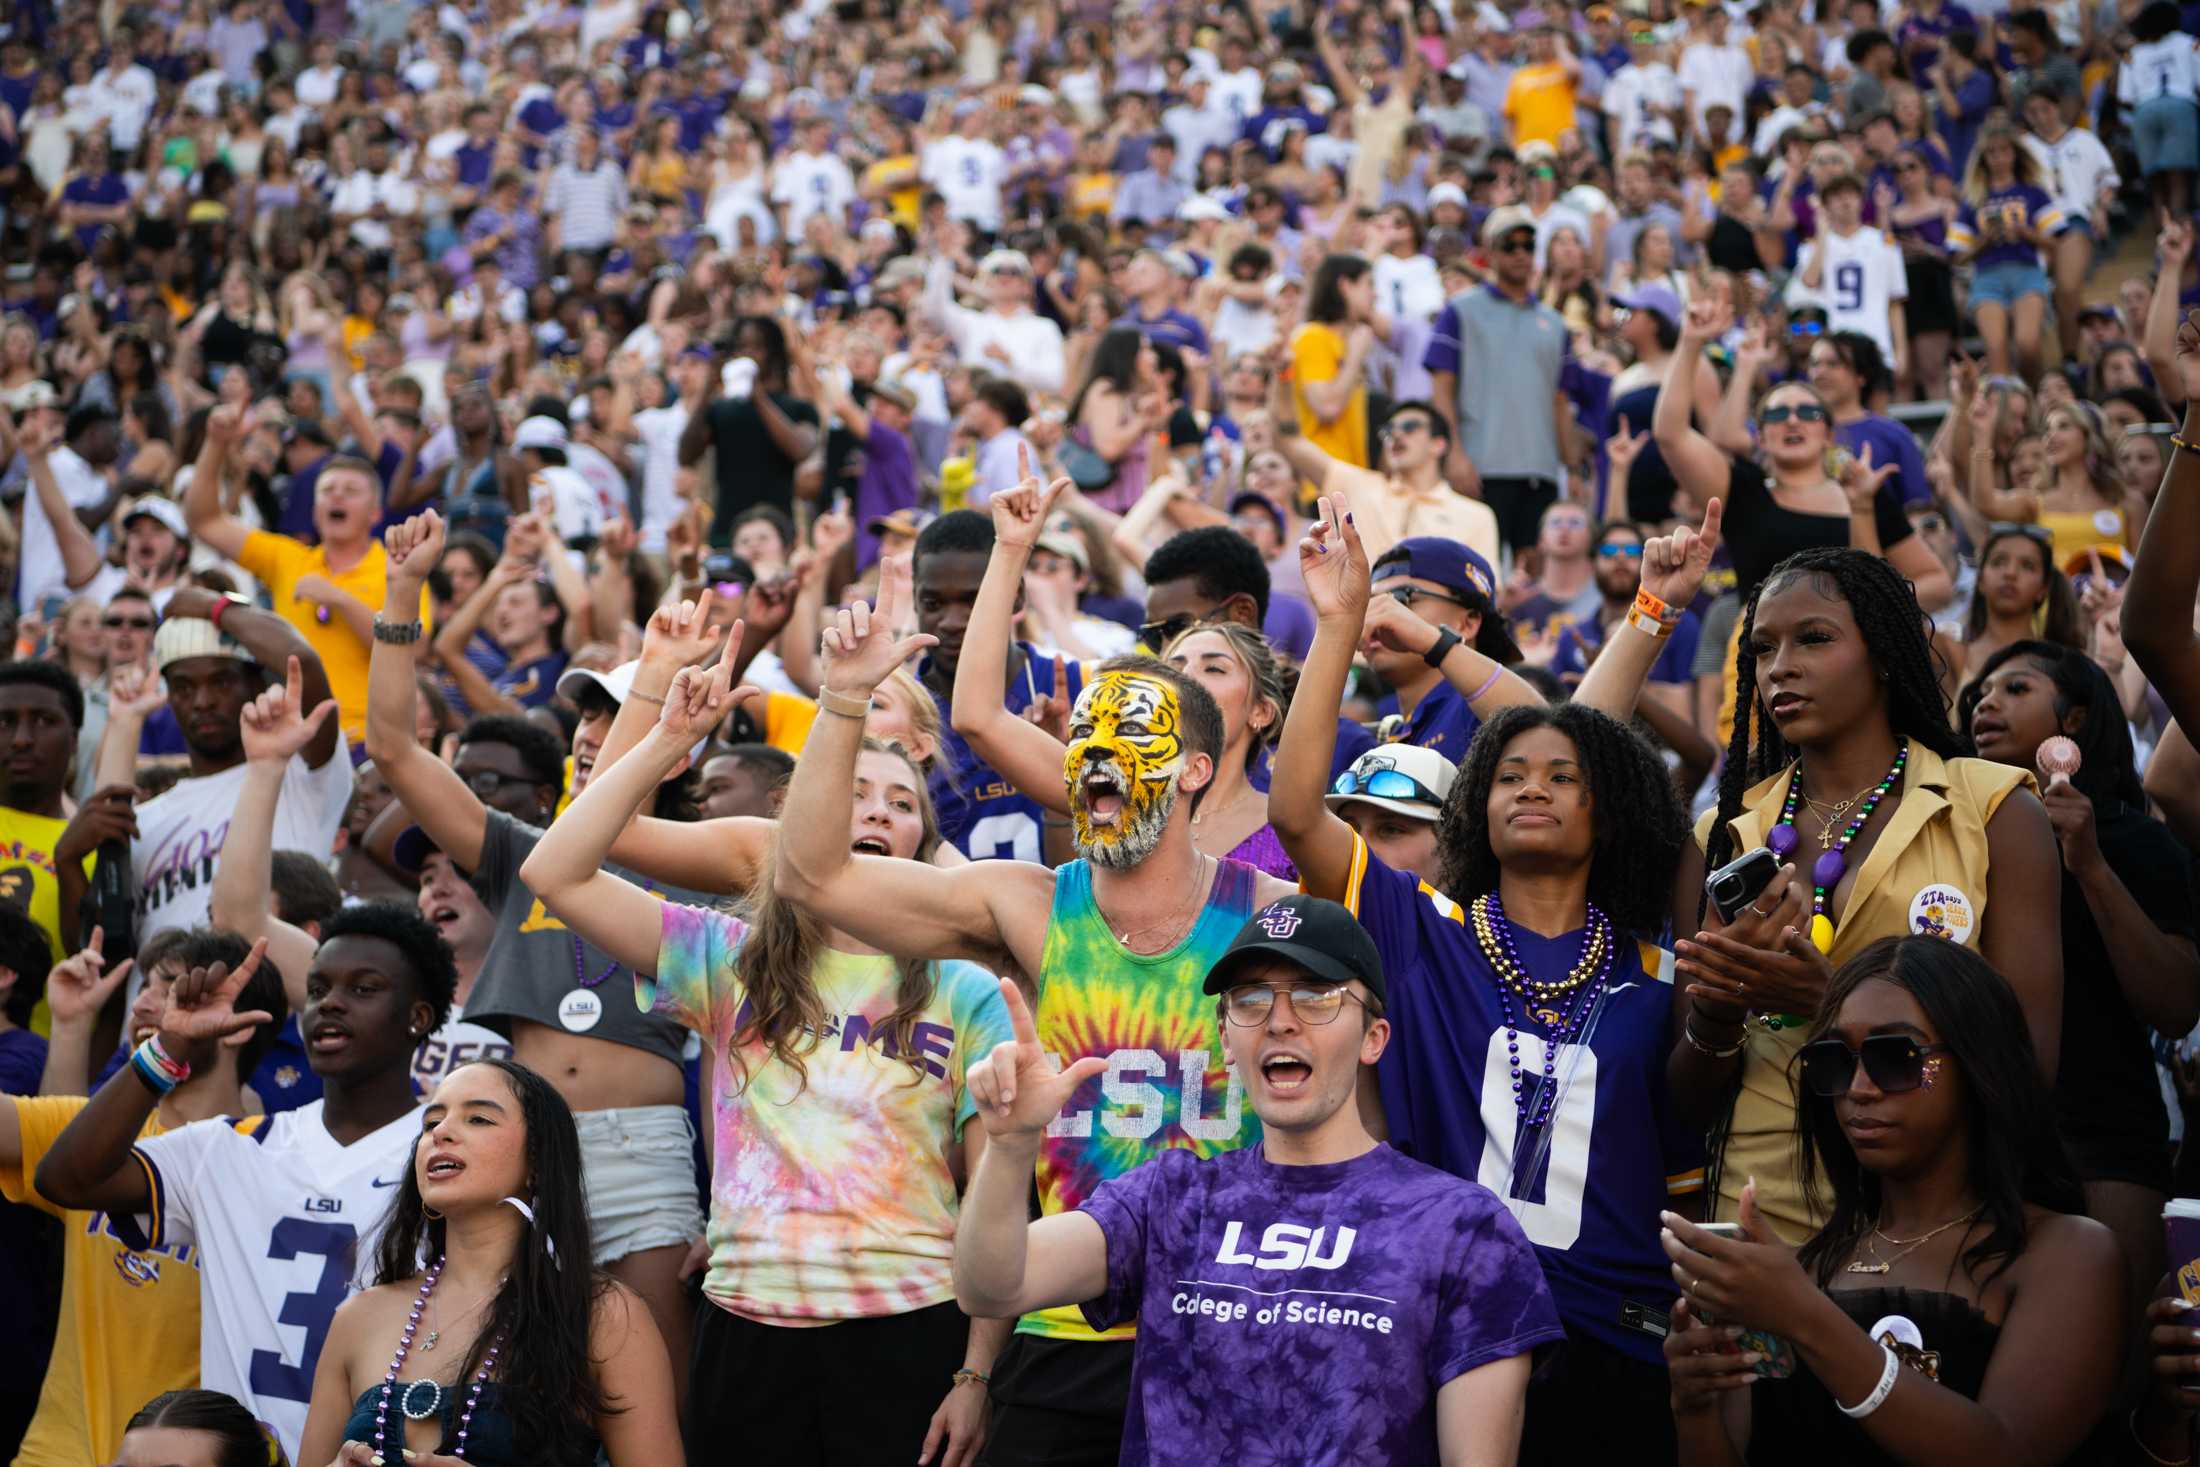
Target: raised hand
1395,627
831,532
273,724
699,701
1673,566
770,604
2175,242
79,987
1758,349
1709,318
201,1010
528,536
1861,482
135,692
1050,711
1017,1087
36,438
1622,448
1020,514
414,547
2188,356
859,647
679,634
1333,562
225,424
617,540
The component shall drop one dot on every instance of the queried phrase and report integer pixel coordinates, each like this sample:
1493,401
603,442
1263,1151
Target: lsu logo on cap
1279,922
1475,577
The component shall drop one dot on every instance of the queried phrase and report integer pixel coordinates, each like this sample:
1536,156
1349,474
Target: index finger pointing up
1019,1013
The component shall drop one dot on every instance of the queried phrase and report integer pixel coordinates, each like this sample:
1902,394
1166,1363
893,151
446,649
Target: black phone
1738,883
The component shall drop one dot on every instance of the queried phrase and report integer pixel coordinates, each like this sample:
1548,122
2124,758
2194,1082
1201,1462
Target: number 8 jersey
286,1221
1591,1208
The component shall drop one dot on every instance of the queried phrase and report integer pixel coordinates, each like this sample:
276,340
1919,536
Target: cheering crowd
1322,731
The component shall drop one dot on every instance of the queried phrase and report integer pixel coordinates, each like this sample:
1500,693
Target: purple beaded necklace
580,961
435,1388
1827,870
1546,1002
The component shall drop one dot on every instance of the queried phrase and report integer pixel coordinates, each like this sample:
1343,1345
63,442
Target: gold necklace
1219,810
1170,923
1907,1245
1829,828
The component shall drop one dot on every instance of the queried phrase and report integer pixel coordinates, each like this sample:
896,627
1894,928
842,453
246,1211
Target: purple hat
1652,298
1458,569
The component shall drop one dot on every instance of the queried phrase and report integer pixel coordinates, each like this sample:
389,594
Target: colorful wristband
1655,609
156,1068
1649,626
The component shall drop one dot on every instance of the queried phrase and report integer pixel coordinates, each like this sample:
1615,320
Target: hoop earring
430,1213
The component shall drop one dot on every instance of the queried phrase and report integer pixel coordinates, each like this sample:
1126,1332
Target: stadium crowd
1311,731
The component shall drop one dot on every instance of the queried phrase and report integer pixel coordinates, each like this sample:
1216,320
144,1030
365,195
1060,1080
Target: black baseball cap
1315,934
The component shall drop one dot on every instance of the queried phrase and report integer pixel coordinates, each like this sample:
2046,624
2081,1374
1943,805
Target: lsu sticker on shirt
1939,910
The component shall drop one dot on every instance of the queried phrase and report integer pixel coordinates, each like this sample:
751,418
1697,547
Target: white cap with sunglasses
1404,779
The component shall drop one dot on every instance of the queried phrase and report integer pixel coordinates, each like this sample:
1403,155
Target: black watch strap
1446,639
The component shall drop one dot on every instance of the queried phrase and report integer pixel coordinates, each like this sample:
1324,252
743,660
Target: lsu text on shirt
1168,1084
2018,204
129,1327
286,1221
1307,1314
1591,1207
831,1196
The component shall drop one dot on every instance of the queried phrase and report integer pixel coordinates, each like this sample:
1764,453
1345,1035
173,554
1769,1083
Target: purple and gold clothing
830,1194
1167,1085
2019,204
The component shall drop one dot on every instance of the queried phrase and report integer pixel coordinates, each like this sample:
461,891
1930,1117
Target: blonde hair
2023,166
924,715
1272,677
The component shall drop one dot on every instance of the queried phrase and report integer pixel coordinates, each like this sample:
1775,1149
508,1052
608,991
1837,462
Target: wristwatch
1446,639
222,602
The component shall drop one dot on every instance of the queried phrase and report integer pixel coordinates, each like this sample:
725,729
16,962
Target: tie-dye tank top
1167,1083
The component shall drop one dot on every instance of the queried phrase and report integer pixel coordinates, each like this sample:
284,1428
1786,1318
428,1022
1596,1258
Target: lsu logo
1279,922
1286,1246
137,1269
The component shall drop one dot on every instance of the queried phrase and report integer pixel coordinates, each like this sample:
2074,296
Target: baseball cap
181,637
1066,545
37,393
1504,221
1199,207
1261,502
1014,262
165,512
893,391
410,851
1404,779
1034,95
1652,298
1310,932
615,685
1447,193
542,433
1459,569
908,522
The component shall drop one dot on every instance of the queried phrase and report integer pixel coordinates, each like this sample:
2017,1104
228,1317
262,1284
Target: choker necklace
1907,1245
1827,870
1545,1002
433,1388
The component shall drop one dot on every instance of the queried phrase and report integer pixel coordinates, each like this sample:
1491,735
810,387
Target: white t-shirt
604,476
40,560
1635,96
1238,91
456,1043
286,1222
1716,74
181,834
1864,276
967,172
812,183
316,85
2077,169
575,508
1241,328
2169,67
1409,287
1033,344
1196,129
660,430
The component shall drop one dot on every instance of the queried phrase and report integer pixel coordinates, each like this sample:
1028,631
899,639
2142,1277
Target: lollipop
2058,760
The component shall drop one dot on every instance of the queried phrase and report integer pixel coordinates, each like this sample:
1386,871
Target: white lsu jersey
1863,277
286,1222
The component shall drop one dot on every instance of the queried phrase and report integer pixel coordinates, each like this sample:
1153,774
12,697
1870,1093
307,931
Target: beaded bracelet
2180,442
973,1375
156,1068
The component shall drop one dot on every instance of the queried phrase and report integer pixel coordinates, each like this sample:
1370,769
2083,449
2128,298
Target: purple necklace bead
397,1362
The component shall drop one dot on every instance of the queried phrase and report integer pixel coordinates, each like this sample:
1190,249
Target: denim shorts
2166,132
639,1168
2009,282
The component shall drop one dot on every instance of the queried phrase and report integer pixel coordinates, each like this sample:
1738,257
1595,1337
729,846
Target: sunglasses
1930,523
1896,1064
2037,534
486,782
1385,783
1159,634
1806,328
135,623
1398,429
1517,245
1406,595
1249,1007
1804,412
1616,552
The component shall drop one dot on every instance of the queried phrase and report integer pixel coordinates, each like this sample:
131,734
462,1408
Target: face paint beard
1126,758
1143,820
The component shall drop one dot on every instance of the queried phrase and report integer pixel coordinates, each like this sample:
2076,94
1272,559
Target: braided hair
1899,644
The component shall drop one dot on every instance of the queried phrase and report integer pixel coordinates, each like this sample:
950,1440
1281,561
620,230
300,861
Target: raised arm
457,631
274,731
1673,568
1695,460
1027,756
2158,600
1333,563
2175,245
1729,411
80,558
271,642
77,991
202,501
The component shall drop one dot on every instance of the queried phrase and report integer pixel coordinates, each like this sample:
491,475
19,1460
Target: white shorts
639,1166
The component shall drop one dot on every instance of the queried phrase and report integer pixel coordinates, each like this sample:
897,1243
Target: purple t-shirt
888,482
1307,1313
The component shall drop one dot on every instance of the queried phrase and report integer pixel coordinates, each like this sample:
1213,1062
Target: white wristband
1880,1392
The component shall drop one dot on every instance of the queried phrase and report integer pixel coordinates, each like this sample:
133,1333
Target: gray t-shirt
1507,357
537,970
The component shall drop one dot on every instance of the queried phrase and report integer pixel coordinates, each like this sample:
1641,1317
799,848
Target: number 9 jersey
1591,1207
286,1221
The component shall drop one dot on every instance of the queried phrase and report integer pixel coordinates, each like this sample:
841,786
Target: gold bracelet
2141,1443
1688,1032
842,704
645,697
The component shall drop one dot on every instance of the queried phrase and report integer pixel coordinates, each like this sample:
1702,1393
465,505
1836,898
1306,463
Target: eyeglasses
1806,328
1398,428
1895,1062
1384,782
1931,524
1159,634
1615,552
1517,245
1804,412
1406,595
486,782
1909,167
135,623
1248,1007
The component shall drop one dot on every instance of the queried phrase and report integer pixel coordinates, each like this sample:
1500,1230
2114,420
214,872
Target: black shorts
1519,505
1059,1403
1589,1402
836,1395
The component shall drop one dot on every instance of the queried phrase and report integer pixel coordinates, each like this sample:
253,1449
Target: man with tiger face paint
1124,763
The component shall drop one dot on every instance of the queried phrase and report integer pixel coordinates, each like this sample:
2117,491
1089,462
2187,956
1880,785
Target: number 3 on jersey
295,1237
1555,1221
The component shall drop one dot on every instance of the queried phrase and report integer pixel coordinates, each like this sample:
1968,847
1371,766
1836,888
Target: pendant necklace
434,1388
1562,1006
1907,1245
1827,870
1170,922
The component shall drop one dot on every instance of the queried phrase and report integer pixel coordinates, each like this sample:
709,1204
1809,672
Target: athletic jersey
286,1222
1591,1209
2019,203
980,812
1167,1084
2078,168
1863,277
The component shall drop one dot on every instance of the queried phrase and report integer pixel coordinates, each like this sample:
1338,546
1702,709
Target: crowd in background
1506,684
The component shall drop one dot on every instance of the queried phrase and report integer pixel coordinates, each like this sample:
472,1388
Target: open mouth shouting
871,845
441,1167
1102,795
328,1038
1286,1073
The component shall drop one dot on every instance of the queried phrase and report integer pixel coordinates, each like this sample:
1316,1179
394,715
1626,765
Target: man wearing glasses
1409,496
1494,359
1434,635
1403,1301
1617,569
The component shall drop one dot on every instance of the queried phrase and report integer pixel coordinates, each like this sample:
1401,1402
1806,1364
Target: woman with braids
837,1095
197,1429
1844,765
487,1337
2129,964
1950,1310
1529,965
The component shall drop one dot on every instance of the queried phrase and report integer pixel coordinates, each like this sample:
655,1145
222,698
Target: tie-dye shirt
1167,1084
830,1199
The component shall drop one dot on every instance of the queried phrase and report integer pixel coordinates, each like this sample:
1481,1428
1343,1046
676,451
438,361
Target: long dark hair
2108,771
1900,646
541,1315
1639,825
240,1438
2061,621
1114,361
2016,1152
1325,295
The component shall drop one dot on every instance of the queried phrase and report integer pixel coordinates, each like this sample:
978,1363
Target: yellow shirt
1929,864
2077,531
1317,355
1540,104
787,720
1091,193
280,563
129,1326
904,190
28,877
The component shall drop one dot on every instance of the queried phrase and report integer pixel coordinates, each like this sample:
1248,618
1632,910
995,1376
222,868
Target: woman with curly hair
1843,764
1530,964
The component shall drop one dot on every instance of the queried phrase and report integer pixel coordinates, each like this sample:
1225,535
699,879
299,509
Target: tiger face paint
1126,755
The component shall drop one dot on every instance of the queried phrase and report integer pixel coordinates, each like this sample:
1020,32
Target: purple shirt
517,256
888,482
1307,1313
